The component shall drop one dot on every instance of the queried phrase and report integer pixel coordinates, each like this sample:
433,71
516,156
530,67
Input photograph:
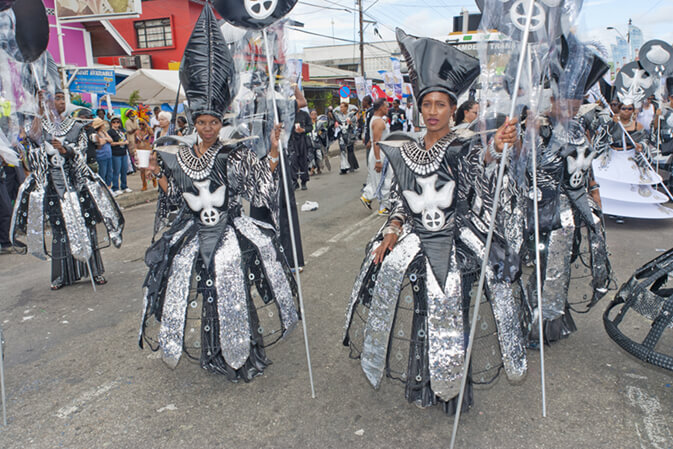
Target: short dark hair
156,108
378,103
182,119
462,109
396,101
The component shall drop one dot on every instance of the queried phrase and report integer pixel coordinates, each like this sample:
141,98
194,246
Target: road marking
87,396
320,251
656,430
170,407
341,235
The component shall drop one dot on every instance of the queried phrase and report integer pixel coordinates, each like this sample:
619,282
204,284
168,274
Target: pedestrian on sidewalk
119,146
103,151
144,141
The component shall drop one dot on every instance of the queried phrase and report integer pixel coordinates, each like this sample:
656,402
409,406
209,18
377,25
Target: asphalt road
76,377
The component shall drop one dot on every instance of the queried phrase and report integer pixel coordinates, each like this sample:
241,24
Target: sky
434,18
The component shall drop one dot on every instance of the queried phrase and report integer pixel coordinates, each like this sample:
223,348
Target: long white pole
61,54
491,227
272,91
538,273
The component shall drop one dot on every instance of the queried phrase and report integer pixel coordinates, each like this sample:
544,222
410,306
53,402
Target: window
154,33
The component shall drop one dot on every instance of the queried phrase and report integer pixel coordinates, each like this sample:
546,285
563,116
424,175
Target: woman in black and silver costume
433,191
211,244
63,200
567,193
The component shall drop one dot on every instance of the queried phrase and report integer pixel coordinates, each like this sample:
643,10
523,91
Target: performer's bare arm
377,131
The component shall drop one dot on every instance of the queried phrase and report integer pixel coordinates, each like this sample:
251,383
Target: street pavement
76,378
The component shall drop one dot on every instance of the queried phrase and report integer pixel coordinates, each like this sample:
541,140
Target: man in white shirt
379,130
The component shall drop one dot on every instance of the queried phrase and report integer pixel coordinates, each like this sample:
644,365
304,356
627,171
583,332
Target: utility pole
362,41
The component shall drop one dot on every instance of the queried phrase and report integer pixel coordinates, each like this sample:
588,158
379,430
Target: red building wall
183,15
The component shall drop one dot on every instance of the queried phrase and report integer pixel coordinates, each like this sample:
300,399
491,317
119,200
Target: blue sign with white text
93,81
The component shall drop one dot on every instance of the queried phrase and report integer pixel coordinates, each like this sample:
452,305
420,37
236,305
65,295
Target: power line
339,39
324,7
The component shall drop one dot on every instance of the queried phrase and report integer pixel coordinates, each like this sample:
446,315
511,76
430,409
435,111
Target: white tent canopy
154,86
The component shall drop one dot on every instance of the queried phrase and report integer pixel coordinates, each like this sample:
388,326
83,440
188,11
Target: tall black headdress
576,70
207,69
436,66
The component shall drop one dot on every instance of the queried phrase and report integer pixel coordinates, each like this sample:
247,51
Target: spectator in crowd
154,121
367,111
183,126
144,139
466,114
103,151
409,113
646,114
131,127
396,117
100,113
166,128
119,146
91,146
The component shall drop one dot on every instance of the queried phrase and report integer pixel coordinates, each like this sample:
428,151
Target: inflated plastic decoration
253,14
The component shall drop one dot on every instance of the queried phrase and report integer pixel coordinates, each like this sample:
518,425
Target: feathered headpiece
207,68
436,66
633,84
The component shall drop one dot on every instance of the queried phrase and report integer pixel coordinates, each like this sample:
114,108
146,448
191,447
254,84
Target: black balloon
656,57
32,28
509,17
253,14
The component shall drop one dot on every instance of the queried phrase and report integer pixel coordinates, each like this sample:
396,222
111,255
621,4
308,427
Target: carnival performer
568,199
210,243
378,179
345,134
63,191
419,337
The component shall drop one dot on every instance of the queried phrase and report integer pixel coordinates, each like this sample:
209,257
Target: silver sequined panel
232,306
557,275
78,236
35,224
274,270
172,329
382,310
446,350
103,202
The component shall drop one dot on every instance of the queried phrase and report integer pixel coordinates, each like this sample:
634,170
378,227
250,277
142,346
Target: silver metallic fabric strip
17,206
506,311
382,309
171,333
78,236
275,274
358,285
232,304
35,224
103,201
557,275
446,348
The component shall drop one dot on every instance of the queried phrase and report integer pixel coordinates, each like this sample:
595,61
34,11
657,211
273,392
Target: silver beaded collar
198,168
422,161
58,129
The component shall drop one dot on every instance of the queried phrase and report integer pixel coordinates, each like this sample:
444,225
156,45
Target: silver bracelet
392,229
491,150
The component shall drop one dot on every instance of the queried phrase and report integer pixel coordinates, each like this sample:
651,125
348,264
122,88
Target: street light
627,38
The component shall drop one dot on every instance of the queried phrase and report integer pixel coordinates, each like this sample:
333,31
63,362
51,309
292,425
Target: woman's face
208,127
163,122
116,124
437,110
625,112
472,113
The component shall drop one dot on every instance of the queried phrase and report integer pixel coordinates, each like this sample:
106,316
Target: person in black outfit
298,147
397,117
367,107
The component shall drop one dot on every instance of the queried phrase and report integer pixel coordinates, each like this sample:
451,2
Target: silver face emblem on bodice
55,158
577,167
260,9
206,202
431,202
